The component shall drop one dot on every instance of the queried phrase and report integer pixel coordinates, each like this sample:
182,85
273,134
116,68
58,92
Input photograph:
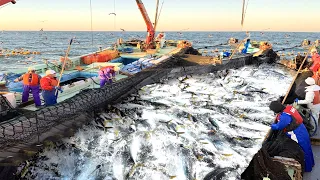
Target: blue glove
274,127
58,88
296,100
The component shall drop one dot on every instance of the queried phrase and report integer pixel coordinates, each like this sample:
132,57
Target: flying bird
113,14
122,29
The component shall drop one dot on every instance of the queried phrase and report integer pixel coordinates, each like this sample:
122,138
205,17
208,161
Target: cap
310,81
276,106
48,72
31,69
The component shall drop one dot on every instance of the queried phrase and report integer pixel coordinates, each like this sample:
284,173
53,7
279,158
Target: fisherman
49,86
107,75
31,81
290,121
312,98
161,38
315,67
246,46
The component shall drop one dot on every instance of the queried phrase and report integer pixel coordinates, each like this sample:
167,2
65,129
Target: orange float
103,56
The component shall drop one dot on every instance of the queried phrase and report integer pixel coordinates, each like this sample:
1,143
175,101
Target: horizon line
146,31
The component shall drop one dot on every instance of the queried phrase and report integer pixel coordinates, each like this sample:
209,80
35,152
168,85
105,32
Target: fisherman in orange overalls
30,82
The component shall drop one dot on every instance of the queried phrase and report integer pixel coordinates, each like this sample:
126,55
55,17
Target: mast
242,19
156,18
150,28
3,2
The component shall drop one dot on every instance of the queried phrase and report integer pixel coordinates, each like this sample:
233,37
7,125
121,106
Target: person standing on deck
290,121
312,98
49,86
107,75
315,67
246,46
31,81
161,39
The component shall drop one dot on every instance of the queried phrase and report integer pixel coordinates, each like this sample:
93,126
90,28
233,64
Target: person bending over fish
49,86
107,75
290,121
31,81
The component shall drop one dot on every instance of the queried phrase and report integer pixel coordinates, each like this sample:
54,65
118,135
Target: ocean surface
205,126
52,45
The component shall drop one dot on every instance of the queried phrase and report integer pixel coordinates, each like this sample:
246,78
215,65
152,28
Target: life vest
296,118
316,78
52,81
316,63
30,79
316,99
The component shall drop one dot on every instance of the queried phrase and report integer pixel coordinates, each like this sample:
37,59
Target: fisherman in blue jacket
246,46
290,121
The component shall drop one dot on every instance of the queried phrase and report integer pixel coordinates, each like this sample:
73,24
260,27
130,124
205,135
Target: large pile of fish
200,127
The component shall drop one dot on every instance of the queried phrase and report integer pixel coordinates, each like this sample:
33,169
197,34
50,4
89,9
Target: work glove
295,105
58,88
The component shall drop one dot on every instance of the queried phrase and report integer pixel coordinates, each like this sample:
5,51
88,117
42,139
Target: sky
176,15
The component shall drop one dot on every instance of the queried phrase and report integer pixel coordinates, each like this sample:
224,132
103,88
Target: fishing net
6,109
262,164
31,125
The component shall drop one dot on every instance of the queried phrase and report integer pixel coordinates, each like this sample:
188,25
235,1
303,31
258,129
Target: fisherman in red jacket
315,67
30,82
290,121
49,86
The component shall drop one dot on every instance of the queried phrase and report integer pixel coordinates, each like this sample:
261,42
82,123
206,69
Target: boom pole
150,28
3,2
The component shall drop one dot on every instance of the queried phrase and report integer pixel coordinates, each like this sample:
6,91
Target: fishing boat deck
90,72
315,173
162,51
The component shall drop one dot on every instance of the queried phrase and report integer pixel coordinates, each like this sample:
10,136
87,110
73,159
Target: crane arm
3,2
146,18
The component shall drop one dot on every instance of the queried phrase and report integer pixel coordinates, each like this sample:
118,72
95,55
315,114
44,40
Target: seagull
113,14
